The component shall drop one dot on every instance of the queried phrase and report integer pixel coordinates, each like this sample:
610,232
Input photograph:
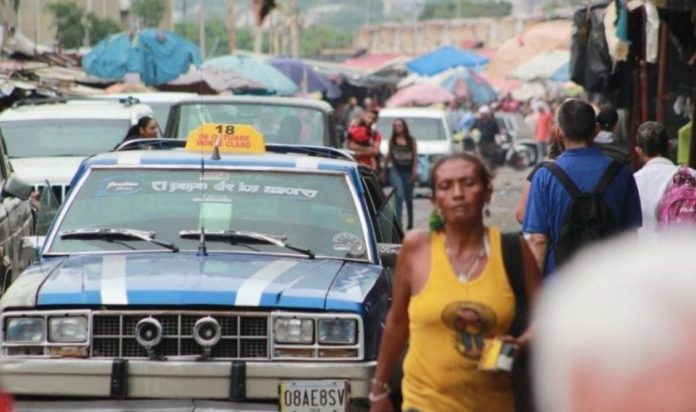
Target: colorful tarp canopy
445,58
543,66
420,94
158,56
305,77
256,70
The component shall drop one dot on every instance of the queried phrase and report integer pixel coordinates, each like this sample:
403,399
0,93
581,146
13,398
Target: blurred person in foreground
451,294
401,163
364,140
615,331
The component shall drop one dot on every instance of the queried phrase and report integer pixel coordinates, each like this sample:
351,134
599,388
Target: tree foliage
150,12
72,23
315,39
466,8
70,28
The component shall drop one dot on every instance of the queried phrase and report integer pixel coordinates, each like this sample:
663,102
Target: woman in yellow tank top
451,293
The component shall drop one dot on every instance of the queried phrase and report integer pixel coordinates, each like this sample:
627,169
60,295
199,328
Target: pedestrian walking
606,140
542,133
488,131
364,140
562,215
614,333
403,172
453,293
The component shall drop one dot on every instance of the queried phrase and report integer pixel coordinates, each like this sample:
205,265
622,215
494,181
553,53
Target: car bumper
173,379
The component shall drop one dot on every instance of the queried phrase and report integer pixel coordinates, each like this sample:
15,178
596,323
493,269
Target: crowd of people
462,289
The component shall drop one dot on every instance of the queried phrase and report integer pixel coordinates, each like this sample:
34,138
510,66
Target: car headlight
67,329
293,330
338,331
30,330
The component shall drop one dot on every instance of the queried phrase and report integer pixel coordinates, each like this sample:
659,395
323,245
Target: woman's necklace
464,275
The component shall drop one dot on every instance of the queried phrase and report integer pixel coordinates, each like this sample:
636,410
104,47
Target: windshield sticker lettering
117,187
349,243
225,187
291,191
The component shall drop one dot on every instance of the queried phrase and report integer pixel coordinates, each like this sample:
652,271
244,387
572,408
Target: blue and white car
255,281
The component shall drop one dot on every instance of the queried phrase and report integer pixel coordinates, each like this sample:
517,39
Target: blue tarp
157,55
477,88
562,74
259,71
445,58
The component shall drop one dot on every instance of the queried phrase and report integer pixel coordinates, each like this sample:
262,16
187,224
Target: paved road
506,185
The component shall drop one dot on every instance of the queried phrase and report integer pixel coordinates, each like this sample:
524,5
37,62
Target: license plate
314,396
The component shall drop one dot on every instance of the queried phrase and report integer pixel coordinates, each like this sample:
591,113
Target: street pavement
507,185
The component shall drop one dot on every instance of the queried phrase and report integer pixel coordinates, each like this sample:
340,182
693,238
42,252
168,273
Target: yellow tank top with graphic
440,369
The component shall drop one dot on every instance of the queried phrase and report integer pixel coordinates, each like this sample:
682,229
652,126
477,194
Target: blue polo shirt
549,201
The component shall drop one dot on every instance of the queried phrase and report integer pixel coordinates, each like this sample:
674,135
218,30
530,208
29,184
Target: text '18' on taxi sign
229,138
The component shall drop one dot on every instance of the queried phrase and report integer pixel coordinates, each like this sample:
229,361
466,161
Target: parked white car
430,129
47,139
159,102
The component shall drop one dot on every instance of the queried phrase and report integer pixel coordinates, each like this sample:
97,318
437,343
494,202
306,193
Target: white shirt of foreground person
652,180
615,332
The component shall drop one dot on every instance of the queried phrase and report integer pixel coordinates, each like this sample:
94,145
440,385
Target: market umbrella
158,56
445,58
306,78
542,66
420,94
466,83
257,70
562,75
209,80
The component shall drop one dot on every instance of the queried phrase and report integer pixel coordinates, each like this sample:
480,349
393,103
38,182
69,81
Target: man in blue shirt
585,165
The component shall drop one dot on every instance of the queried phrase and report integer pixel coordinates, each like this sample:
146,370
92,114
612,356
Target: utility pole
368,5
295,28
201,29
231,26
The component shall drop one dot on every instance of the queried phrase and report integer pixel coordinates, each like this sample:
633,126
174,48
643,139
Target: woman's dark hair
410,141
481,170
134,131
652,139
607,118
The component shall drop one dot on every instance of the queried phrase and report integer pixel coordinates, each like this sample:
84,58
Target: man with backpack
581,197
667,192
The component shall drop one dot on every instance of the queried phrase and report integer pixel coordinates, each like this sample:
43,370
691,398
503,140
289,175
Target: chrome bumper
171,379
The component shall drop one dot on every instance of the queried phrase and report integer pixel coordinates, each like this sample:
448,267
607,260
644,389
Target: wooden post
661,73
692,146
231,26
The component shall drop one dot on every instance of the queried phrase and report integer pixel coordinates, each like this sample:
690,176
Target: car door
16,222
387,227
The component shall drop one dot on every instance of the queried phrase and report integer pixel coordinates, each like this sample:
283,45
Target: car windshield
64,137
422,128
310,211
278,124
161,112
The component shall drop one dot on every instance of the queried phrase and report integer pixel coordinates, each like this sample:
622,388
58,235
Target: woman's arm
415,160
395,332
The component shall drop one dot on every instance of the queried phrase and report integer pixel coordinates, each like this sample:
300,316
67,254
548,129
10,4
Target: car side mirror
388,253
15,187
31,247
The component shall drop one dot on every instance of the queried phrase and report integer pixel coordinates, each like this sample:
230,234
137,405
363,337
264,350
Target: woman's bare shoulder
416,239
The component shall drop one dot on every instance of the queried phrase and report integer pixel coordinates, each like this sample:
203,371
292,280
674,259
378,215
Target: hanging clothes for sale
652,32
590,62
616,32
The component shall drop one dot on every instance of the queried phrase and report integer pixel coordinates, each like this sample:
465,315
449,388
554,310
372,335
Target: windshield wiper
111,234
233,235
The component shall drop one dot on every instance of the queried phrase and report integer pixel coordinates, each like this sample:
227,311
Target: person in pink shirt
544,123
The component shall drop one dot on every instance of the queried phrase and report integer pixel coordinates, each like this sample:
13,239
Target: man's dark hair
652,139
607,118
577,120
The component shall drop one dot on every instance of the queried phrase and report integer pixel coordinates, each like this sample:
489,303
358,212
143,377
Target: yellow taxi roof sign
230,138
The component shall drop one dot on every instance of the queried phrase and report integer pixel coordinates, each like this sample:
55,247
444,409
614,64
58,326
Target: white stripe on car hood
113,281
251,291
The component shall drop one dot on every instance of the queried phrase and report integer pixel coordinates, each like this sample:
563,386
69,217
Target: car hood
35,170
184,279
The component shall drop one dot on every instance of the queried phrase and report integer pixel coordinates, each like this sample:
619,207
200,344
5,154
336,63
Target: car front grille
244,335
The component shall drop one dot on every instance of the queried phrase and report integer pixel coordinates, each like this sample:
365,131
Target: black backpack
588,218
